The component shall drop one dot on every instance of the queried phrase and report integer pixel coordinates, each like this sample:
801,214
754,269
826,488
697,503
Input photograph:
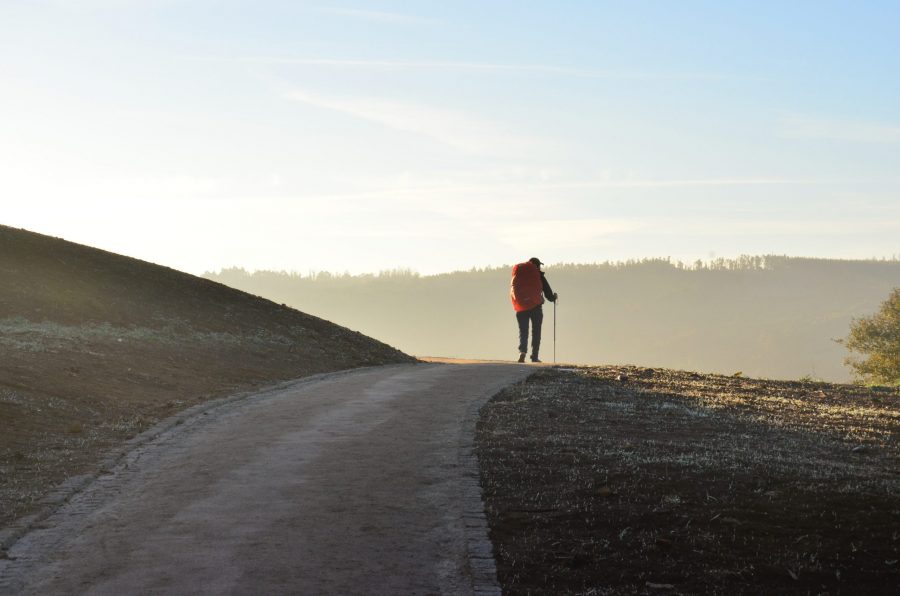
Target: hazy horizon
291,135
709,263
771,316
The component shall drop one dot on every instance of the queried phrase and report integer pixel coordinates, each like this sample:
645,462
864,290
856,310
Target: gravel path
359,482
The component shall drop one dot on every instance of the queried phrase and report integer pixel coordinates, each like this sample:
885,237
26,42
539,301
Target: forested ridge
767,316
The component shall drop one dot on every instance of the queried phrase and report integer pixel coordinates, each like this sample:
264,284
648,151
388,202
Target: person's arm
548,291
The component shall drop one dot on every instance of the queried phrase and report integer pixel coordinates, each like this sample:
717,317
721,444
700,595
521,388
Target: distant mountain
767,316
95,347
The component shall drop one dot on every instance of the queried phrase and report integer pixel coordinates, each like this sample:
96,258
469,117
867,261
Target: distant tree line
771,316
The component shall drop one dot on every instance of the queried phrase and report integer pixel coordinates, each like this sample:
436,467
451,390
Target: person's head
536,261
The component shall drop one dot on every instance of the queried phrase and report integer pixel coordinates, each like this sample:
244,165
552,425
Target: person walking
527,290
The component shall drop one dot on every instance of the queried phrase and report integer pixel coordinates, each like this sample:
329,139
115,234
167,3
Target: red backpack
525,288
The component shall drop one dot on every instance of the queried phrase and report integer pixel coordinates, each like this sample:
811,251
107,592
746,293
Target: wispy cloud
801,127
559,234
426,64
679,183
555,235
378,16
490,67
816,227
505,196
450,127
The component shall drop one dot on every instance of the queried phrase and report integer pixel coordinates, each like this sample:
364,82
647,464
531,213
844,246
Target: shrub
878,338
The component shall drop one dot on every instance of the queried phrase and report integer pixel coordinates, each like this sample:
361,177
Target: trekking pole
554,330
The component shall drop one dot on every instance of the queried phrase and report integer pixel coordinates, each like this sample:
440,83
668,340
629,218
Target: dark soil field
97,347
618,480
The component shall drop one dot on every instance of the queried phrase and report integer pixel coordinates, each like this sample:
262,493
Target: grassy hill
96,347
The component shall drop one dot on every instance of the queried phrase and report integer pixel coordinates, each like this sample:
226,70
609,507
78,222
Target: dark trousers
536,316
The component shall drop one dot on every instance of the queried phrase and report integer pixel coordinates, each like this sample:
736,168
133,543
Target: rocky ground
96,347
622,480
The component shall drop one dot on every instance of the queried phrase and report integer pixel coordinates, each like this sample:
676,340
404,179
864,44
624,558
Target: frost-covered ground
622,480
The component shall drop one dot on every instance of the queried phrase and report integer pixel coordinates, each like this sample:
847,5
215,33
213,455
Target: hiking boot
521,357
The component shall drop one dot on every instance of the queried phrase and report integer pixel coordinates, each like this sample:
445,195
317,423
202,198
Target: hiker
527,290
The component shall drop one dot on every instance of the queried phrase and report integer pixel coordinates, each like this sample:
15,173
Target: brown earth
622,480
96,347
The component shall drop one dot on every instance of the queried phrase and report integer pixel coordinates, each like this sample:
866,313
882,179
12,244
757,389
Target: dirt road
352,483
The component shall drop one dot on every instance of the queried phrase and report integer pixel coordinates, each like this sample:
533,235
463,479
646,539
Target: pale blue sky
363,136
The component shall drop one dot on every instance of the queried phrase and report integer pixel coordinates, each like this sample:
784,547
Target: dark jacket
548,291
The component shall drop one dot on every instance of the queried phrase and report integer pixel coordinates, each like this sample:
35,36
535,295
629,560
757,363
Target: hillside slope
96,347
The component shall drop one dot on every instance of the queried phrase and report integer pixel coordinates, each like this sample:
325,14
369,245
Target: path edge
479,548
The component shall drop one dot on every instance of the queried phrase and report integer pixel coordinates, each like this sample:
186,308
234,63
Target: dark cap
536,261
